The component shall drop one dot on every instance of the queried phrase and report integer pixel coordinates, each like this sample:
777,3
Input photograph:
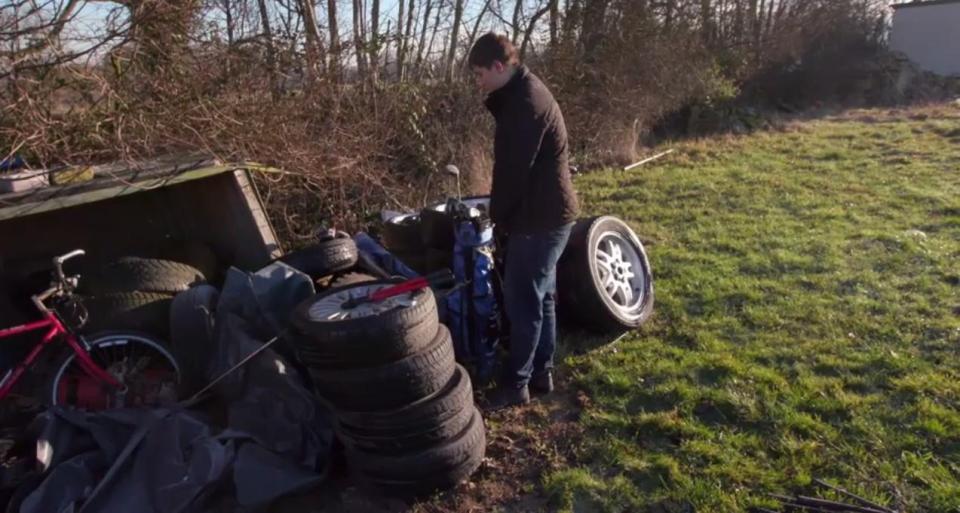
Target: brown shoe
542,383
504,397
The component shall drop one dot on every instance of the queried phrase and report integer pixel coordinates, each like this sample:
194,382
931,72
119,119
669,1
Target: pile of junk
180,387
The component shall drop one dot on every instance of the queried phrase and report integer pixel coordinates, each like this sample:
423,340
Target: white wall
930,36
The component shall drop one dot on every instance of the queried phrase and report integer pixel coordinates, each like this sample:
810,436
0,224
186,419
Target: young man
533,206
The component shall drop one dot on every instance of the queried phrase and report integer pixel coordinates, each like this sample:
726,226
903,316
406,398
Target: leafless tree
334,28
454,39
374,45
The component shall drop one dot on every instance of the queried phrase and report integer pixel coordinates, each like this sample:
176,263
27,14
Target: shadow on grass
576,341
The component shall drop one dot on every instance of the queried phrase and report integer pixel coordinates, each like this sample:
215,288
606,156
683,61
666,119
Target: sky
91,19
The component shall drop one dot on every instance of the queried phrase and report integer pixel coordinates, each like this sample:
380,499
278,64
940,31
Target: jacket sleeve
515,154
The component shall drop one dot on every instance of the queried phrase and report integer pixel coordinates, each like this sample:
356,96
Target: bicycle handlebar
62,282
43,296
58,262
75,253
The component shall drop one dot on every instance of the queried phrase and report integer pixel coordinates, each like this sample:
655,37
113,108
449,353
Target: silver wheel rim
330,308
620,269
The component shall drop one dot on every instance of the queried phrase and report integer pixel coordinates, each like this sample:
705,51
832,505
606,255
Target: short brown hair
492,47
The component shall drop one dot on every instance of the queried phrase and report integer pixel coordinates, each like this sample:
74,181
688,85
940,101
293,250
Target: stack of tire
424,241
134,293
404,408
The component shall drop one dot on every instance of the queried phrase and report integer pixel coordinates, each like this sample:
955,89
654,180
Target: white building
929,34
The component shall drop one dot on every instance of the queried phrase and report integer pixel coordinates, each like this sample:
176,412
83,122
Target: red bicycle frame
57,331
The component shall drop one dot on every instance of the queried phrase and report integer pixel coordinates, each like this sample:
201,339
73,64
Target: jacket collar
496,100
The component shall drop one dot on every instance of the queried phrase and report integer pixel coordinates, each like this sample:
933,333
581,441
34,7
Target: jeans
529,291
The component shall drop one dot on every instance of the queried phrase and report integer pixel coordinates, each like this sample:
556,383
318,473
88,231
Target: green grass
807,324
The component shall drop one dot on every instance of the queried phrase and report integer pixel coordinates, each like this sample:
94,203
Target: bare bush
362,119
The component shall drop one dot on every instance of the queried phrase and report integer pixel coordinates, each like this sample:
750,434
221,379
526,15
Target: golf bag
473,314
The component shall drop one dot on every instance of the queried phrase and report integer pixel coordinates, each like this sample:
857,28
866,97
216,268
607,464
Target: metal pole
239,364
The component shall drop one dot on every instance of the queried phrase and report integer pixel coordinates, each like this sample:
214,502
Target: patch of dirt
523,445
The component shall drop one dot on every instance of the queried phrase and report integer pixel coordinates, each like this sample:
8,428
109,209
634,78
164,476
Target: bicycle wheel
148,371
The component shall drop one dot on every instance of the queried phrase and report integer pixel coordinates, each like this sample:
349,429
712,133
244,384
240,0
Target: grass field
807,323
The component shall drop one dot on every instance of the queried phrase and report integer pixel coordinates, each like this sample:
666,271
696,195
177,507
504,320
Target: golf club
451,169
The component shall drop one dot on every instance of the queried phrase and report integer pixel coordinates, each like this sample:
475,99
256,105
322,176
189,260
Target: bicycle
110,369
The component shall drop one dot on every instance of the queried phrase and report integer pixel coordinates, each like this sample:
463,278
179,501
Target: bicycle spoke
139,363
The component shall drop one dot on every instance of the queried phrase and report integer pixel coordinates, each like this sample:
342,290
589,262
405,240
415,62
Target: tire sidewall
393,331
437,226
392,385
138,274
136,312
323,258
403,234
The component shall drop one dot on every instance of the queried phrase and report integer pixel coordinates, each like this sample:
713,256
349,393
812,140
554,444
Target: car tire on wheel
401,234
330,336
604,277
437,226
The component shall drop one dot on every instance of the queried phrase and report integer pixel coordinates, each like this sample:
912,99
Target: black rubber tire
324,258
448,400
191,334
418,262
135,274
351,279
148,312
109,339
421,472
416,426
374,340
401,442
437,227
401,234
389,386
197,255
439,259
579,293
427,261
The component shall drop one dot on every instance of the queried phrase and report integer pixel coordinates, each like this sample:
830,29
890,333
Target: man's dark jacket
532,190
